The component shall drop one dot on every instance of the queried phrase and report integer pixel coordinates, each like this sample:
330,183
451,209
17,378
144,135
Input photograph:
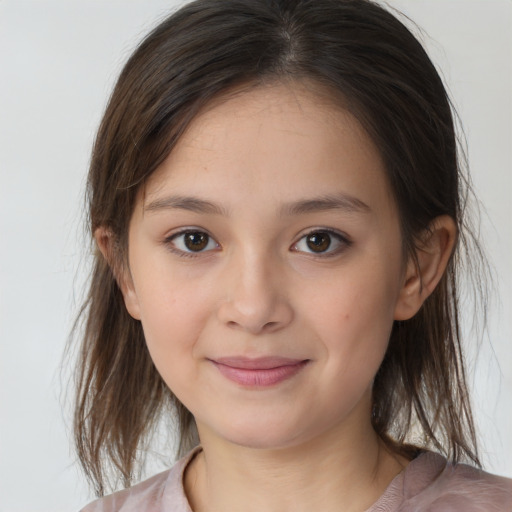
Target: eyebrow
341,202
192,204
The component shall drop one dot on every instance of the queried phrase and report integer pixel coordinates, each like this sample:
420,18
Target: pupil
319,242
196,241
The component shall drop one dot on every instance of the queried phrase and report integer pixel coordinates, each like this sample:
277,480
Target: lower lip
260,377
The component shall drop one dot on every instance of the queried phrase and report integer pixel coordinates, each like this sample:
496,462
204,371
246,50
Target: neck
341,472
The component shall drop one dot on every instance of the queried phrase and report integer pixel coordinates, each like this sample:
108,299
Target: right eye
192,241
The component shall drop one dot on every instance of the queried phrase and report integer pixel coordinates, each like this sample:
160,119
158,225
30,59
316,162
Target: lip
259,372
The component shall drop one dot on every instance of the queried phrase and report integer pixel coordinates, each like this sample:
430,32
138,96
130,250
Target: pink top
427,484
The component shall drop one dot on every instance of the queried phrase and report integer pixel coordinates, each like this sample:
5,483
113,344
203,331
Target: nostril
269,326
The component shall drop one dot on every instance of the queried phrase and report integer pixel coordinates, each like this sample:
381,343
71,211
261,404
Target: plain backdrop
58,62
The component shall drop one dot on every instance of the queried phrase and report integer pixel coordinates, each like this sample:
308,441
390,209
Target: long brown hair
372,64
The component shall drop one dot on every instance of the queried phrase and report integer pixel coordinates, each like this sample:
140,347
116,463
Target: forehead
280,142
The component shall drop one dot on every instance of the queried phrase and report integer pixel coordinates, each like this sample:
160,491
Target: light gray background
58,61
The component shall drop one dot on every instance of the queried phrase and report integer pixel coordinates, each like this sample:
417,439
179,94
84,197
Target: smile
261,372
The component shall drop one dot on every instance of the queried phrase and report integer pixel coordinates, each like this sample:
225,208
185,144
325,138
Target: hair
371,65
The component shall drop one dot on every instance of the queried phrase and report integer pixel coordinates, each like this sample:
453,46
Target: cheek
354,326
353,314
173,315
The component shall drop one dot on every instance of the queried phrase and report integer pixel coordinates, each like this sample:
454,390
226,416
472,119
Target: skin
258,289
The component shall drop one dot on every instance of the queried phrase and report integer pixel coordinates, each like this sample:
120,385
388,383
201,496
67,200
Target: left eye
321,242
193,241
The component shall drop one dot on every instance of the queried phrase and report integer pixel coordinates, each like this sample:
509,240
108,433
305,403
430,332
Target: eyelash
342,239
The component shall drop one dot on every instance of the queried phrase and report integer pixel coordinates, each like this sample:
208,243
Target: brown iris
195,240
318,242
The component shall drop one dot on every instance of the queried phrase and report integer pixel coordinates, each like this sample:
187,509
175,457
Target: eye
192,241
321,242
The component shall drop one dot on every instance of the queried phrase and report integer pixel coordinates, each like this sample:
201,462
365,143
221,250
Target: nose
255,298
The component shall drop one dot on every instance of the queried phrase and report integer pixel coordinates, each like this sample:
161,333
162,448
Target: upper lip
258,363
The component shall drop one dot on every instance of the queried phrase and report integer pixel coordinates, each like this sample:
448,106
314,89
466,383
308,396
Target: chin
261,434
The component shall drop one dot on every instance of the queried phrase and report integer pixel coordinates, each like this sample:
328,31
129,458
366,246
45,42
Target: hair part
371,65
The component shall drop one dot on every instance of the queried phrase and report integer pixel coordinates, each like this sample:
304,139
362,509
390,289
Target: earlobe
105,240
423,274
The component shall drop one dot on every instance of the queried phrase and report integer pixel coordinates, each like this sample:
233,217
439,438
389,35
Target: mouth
259,372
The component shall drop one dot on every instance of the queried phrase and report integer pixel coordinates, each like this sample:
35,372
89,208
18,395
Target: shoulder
144,496
162,492
430,484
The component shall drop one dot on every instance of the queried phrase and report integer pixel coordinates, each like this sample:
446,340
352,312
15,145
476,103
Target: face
266,268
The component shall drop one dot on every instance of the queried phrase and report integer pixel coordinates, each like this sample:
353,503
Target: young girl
278,209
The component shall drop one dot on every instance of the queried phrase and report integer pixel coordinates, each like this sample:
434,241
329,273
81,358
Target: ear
422,276
105,240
